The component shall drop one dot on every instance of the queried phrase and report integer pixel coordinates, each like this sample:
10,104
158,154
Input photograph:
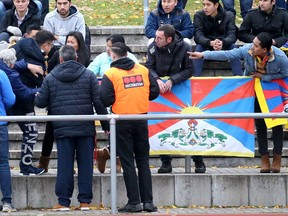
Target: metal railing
114,118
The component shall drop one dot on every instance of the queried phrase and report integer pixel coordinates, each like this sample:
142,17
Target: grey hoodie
61,26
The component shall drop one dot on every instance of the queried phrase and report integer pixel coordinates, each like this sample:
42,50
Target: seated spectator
8,4
76,40
17,19
265,18
215,29
64,19
169,12
102,62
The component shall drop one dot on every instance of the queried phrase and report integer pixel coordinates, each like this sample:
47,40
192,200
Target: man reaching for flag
267,63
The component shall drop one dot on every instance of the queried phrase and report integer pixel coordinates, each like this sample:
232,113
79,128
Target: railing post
187,164
146,11
113,166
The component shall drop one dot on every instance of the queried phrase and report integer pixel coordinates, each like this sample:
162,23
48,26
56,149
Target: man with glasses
33,51
17,19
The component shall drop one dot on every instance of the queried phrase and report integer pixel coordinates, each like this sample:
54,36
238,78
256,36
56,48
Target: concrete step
223,187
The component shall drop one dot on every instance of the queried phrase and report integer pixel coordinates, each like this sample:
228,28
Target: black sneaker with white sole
30,170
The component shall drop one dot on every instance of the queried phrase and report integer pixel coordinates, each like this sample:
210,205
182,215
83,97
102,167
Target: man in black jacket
215,29
266,18
71,89
167,56
16,20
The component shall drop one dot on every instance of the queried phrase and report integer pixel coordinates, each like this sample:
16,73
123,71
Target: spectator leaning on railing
266,62
167,56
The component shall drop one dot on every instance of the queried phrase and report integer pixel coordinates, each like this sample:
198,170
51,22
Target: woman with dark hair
76,40
102,62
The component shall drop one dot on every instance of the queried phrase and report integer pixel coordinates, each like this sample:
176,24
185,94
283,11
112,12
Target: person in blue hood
169,12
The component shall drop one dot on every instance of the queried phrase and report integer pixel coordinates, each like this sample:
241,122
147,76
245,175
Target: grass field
126,12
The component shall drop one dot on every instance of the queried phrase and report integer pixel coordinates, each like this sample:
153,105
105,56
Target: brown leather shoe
83,207
43,163
103,156
59,207
118,165
265,164
276,164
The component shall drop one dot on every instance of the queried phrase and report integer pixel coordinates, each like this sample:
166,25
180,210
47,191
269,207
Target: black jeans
48,140
133,145
277,134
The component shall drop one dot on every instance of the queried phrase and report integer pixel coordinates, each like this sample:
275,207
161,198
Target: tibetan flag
219,137
272,97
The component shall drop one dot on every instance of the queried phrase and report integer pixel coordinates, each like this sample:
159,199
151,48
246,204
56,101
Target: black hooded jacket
30,51
71,89
172,60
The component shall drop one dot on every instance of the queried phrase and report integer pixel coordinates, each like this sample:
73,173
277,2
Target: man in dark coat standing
71,89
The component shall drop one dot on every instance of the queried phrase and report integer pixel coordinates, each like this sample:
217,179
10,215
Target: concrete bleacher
229,181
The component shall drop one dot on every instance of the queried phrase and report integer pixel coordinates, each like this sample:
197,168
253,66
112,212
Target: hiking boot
131,208
59,207
200,167
165,168
102,156
83,207
30,170
7,207
43,163
149,207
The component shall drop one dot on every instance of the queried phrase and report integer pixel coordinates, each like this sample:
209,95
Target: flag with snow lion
219,137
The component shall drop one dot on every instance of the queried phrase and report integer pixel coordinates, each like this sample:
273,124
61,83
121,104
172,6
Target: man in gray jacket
65,18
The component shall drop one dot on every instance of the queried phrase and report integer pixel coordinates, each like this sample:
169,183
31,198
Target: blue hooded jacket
179,18
22,92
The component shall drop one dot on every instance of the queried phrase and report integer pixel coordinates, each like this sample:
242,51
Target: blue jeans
83,147
235,64
39,5
2,10
282,4
245,6
5,175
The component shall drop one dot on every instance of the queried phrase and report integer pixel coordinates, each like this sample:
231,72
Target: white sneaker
7,207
